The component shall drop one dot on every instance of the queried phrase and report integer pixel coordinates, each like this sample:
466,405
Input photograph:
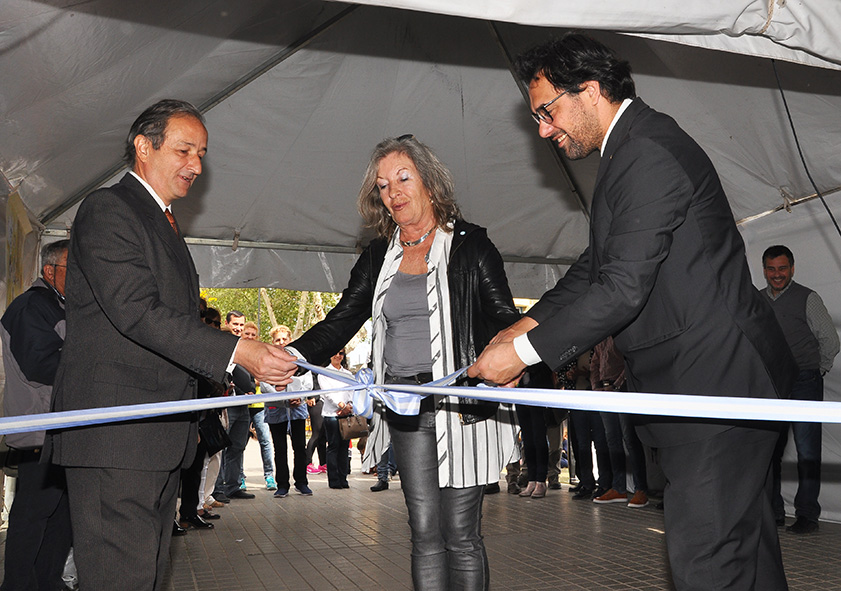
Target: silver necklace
418,241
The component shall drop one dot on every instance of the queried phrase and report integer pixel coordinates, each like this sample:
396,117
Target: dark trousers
297,431
448,551
190,482
590,429
39,535
535,444
239,420
720,529
621,435
338,460
807,441
318,440
122,526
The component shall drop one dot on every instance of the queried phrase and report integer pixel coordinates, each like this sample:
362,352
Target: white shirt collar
149,188
625,104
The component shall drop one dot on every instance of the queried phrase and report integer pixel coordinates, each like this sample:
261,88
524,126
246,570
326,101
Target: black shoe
195,522
600,490
584,494
177,530
576,488
345,485
208,515
492,489
554,486
781,521
221,497
381,485
803,526
241,494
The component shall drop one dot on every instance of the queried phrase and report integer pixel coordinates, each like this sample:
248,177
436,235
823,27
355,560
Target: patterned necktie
171,219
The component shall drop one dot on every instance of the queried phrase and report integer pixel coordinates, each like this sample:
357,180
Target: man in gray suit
665,273
134,335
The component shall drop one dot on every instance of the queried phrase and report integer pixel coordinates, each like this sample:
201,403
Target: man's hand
498,364
265,362
523,325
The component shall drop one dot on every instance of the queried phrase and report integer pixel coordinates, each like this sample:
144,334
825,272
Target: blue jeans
620,433
807,440
448,551
386,464
264,438
238,421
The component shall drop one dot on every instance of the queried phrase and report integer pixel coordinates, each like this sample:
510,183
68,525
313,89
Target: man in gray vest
811,334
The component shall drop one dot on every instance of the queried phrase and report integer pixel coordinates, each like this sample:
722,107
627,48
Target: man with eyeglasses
665,274
32,330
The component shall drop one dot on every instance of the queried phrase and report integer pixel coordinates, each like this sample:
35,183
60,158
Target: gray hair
52,252
436,178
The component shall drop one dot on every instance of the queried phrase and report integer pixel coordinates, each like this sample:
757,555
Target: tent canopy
297,93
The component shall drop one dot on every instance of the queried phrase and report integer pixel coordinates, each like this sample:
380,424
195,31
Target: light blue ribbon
405,399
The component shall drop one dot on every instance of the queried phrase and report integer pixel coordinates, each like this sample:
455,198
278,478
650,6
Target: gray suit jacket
134,334
666,274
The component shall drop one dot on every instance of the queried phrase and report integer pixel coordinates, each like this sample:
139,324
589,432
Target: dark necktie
171,219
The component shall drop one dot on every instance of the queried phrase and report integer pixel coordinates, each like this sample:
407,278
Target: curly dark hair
436,177
569,61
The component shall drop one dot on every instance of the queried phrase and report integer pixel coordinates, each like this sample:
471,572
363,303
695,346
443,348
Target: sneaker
271,484
322,469
313,469
803,526
304,490
281,493
612,496
640,499
242,484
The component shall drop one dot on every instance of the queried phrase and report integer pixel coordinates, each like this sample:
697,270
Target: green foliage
285,304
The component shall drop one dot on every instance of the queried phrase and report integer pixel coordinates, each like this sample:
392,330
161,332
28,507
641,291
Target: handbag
352,427
213,434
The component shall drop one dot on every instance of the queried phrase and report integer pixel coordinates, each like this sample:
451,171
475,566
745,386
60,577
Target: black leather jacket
480,300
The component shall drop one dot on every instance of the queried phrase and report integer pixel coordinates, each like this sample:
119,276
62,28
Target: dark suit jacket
134,334
666,274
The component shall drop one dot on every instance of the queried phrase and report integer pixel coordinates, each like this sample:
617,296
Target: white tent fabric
796,31
297,93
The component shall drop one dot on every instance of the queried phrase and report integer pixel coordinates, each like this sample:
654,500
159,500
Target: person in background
336,404
258,422
289,418
810,332
32,330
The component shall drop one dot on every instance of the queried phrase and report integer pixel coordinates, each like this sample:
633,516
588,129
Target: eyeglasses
542,112
342,353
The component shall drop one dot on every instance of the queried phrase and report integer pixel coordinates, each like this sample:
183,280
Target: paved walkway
354,539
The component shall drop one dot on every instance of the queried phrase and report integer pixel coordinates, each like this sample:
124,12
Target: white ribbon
405,399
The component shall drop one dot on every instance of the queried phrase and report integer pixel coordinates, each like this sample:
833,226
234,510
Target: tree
298,310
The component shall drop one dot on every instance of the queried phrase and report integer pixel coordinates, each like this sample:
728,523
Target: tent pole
555,151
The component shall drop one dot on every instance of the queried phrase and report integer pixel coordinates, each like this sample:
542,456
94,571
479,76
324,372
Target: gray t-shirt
406,313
